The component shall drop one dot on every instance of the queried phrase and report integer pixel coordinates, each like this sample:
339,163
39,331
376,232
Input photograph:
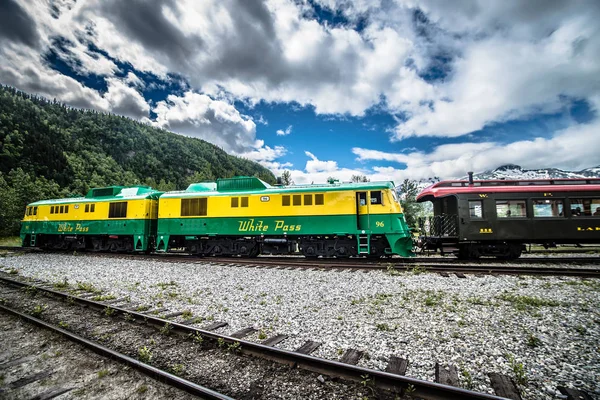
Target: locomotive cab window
297,199
234,202
376,197
511,208
548,208
319,200
244,202
194,207
117,210
362,198
308,199
285,200
92,207
87,208
476,208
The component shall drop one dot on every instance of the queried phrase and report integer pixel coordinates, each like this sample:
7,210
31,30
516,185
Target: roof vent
104,192
241,184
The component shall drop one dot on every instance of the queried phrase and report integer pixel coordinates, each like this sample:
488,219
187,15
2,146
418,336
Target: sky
390,89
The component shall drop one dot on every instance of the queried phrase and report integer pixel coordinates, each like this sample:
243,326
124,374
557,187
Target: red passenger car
499,217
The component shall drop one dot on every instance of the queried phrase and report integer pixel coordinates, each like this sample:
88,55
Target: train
499,218
239,216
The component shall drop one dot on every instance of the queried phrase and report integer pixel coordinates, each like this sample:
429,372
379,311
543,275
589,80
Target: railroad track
392,379
156,373
395,265
449,259
420,264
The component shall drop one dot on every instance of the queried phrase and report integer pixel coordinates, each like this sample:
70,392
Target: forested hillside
49,150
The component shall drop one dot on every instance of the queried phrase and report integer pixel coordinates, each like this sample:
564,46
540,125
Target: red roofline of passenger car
440,189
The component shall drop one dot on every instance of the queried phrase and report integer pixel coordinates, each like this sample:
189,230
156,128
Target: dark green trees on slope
49,150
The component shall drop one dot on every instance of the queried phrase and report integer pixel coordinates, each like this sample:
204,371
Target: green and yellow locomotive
246,216
115,218
240,216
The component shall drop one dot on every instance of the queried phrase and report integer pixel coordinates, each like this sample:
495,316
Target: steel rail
158,374
397,383
429,267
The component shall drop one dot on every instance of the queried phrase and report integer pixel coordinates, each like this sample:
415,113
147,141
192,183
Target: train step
364,244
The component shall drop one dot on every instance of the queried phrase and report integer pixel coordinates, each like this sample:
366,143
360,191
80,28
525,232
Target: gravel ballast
542,331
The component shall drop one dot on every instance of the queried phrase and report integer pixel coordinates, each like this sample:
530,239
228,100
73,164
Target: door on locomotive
362,211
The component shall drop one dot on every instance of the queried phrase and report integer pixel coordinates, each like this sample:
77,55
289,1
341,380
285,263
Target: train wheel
467,253
512,252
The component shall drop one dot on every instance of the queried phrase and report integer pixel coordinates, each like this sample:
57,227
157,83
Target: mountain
511,171
49,150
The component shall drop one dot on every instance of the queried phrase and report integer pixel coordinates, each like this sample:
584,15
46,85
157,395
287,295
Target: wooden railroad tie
504,386
574,394
397,365
351,356
447,376
243,332
214,326
273,340
308,347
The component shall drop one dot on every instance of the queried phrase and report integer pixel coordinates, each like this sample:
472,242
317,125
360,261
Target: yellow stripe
136,209
336,203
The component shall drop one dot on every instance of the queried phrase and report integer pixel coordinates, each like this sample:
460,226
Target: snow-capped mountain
511,171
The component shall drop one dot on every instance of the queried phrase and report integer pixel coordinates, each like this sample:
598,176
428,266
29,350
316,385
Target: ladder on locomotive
364,244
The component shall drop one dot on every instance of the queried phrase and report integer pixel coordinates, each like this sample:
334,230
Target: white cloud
125,100
287,131
572,148
216,121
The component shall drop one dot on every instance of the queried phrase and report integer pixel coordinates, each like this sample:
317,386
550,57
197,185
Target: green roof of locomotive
109,193
246,185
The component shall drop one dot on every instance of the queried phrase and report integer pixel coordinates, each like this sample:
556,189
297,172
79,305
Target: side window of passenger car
548,208
476,208
511,208
585,207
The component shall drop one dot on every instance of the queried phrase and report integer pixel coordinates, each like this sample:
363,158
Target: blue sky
390,89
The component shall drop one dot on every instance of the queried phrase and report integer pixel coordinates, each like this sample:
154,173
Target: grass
88,287
10,241
383,327
166,329
166,285
177,369
102,373
433,298
518,369
198,338
533,341
38,310
142,389
61,285
145,355
102,297
523,302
